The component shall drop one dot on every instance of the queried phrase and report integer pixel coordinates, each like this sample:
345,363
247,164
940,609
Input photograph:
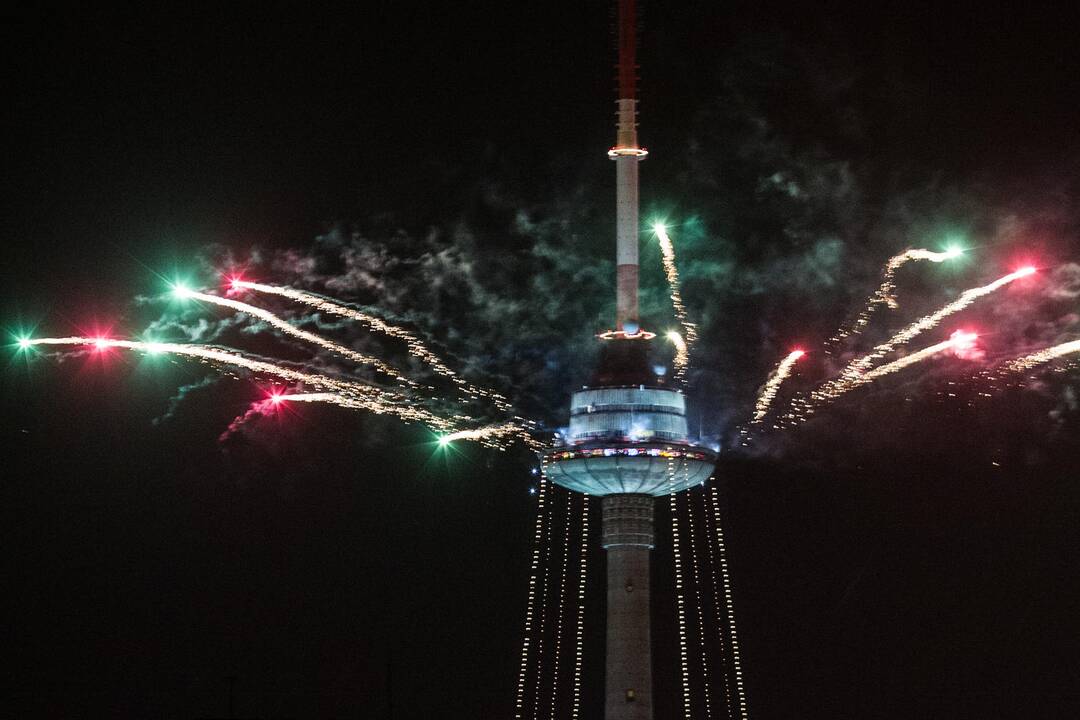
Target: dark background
911,562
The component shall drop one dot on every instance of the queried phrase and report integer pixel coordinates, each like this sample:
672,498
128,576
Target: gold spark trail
671,271
930,321
851,376
1043,356
289,329
837,388
492,432
886,292
682,352
345,393
772,385
496,436
416,346
959,341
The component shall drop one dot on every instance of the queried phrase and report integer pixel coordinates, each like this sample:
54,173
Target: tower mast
627,441
626,153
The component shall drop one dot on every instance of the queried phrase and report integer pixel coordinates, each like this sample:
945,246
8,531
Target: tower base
628,538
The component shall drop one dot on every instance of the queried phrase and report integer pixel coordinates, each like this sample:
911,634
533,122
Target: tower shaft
626,155
626,232
628,538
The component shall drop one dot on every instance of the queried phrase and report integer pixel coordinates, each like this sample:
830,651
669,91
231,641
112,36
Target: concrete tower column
626,233
628,538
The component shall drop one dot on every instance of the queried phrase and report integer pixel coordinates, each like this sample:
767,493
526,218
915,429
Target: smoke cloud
781,227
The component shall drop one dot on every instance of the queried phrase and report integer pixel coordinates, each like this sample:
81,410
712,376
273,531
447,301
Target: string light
684,670
716,594
575,707
729,605
543,611
697,599
562,598
530,607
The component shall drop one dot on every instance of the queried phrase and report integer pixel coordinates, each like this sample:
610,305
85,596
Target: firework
416,346
1043,356
497,436
851,375
926,323
802,407
281,324
772,385
958,341
490,435
346,393
682,353
671,271
886,292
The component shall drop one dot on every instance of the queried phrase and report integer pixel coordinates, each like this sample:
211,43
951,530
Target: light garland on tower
716,612
729,603
697,598
543,614
519,703
562,604
680,604
579,642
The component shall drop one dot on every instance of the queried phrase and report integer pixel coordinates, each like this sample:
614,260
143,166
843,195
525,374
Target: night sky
910,551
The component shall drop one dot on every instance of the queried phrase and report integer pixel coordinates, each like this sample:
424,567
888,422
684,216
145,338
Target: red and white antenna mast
627,153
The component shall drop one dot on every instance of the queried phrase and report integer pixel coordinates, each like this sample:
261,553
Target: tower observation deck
628,443
628,440
628,432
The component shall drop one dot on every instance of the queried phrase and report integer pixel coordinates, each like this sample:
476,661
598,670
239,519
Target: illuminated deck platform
628,440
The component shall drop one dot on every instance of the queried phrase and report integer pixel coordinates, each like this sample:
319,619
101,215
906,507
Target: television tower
627,441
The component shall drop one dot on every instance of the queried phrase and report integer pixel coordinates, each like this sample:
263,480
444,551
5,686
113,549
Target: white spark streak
345,393
959,340
1043,356
772,385
886,292
289,329
671,271
851,376
490,436
682,353
415,345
